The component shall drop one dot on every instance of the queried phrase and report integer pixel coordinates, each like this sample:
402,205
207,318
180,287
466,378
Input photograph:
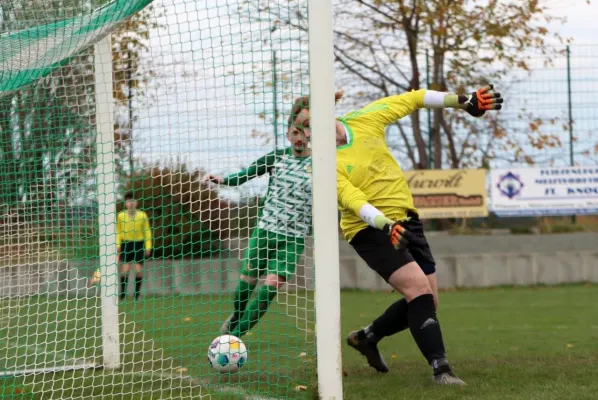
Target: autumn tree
380,49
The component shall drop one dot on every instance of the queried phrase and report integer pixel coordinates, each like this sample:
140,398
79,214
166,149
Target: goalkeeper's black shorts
132,252
374,247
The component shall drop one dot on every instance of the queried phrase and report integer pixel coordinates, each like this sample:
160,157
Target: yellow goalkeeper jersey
134,229
366,170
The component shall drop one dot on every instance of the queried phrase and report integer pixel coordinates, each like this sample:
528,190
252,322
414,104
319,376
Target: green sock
242,296
256,310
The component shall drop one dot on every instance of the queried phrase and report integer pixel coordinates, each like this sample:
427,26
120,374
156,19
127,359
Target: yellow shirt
134,229
366,170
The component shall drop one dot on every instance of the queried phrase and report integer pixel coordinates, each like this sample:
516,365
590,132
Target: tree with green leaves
47,129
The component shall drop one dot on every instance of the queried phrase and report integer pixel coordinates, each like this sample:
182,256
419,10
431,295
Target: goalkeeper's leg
394,319
399,269
138,280
124,280
411,281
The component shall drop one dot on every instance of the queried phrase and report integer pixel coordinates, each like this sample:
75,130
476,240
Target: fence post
570,110
570,107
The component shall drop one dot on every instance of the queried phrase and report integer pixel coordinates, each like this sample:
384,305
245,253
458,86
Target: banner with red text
450,193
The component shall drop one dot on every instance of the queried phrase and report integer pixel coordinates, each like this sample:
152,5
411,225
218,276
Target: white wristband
368,213
434,99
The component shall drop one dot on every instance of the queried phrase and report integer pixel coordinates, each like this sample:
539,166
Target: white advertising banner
544,191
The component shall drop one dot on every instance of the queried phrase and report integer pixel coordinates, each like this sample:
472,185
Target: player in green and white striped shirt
285,220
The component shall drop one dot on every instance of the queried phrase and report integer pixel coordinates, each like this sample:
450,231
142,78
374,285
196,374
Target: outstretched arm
392,108
257,168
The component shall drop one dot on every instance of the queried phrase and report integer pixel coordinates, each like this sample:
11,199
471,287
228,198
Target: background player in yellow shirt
133,243
379,220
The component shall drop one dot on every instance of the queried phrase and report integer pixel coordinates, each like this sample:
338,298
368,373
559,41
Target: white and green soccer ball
227,353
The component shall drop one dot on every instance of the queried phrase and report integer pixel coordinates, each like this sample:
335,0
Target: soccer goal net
153,198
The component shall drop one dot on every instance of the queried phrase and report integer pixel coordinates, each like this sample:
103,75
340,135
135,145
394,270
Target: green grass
533,343
527,343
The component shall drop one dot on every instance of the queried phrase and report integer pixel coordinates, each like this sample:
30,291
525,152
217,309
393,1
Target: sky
581,20
202,112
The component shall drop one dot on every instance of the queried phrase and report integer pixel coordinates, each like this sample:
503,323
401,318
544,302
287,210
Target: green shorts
272,253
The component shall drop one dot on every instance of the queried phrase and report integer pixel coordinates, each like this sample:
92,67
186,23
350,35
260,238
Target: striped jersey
287,206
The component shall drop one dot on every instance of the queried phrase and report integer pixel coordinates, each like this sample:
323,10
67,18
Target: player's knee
275,281
417,290
410,281
249,279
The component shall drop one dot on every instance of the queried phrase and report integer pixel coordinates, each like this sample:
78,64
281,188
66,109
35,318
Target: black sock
124,281
138,281
393,320
425,329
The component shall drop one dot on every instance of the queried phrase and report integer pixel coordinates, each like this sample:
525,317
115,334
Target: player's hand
148,253
399,235
212,178
482,100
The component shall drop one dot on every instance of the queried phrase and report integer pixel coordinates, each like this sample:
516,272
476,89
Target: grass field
525,343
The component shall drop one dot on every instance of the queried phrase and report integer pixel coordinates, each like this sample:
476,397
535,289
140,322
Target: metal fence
556,98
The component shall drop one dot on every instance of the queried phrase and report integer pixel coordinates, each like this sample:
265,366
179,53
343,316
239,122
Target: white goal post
326,248
106,179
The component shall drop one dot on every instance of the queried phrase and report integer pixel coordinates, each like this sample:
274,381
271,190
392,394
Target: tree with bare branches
385,47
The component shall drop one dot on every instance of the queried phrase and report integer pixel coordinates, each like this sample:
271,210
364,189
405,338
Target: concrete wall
483,261
462,261
507,243
489,269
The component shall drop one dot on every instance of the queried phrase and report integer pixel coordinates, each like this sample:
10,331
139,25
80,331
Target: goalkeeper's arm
353,199
392,108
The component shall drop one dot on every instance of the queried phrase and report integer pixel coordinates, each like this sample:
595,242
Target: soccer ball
227,353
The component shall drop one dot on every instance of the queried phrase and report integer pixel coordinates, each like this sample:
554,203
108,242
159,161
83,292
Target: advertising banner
544,191
449,193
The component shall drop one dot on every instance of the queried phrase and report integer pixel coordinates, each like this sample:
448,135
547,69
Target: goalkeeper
379,220
278,241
